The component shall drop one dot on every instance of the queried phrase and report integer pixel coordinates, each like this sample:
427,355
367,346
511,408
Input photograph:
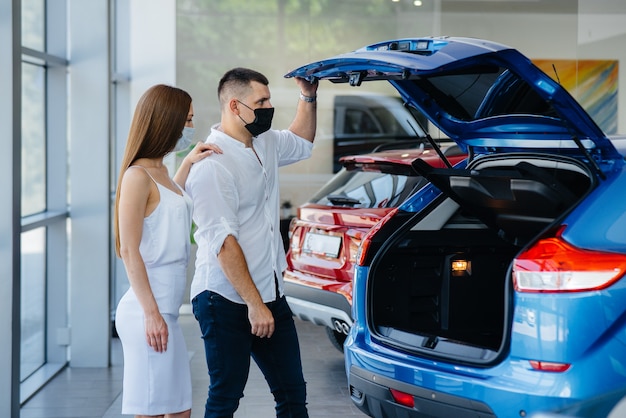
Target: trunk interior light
553,265
403,398
461,268
546,366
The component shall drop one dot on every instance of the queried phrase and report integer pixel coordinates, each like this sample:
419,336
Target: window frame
54,218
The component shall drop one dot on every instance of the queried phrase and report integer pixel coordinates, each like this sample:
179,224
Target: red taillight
554,265
546,366
292,226
402,398
295,233
354,240
365,243
362,252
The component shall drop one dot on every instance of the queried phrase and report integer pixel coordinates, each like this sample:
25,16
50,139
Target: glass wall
42,193
33,201
33,138
33,196
33,189
275,36
33,302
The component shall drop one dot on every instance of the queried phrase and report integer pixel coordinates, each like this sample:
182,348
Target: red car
326,233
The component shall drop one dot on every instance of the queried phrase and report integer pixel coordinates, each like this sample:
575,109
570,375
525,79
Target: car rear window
366,189
483,93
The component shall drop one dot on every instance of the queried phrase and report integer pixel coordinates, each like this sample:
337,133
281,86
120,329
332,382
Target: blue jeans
229,344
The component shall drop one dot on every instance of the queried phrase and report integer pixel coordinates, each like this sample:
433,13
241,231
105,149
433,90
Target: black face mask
262,120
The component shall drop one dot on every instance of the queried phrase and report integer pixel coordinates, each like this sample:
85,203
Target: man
237,289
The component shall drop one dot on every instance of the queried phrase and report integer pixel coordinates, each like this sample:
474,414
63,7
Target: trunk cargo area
441,285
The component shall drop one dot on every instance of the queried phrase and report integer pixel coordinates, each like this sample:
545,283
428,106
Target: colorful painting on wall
592,82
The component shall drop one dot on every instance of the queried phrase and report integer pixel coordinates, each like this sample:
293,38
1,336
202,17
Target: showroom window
33,285
33,139
43,194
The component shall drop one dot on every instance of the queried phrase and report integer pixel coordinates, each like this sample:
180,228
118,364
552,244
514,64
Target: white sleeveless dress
158,383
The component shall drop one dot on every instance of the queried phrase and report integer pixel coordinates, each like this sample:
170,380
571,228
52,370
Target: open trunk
441,284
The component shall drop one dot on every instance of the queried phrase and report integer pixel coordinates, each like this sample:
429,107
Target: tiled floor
96,393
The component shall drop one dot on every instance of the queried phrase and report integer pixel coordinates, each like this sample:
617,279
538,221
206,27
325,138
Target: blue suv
498,288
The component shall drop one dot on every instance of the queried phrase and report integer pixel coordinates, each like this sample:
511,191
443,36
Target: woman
152,227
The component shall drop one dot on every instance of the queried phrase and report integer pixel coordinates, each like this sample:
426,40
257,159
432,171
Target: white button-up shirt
236,193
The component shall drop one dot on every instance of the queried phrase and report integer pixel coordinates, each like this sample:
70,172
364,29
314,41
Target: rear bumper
374,398
318,306
510,389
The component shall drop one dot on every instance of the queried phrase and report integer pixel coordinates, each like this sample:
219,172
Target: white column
89,183
10,99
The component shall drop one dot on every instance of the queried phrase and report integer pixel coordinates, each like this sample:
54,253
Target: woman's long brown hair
158,122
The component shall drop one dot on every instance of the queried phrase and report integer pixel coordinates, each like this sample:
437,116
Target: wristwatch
308,99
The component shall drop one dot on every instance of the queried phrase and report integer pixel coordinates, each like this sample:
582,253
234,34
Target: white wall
535,35
152,41
602,35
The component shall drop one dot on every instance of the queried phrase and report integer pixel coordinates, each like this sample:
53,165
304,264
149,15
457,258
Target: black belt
276,283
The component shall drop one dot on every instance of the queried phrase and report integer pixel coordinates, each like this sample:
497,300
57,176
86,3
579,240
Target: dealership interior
71,72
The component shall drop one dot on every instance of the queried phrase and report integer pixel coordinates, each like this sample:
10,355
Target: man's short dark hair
238,78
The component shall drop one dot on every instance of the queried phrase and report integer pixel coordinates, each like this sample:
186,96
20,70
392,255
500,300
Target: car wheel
336,338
